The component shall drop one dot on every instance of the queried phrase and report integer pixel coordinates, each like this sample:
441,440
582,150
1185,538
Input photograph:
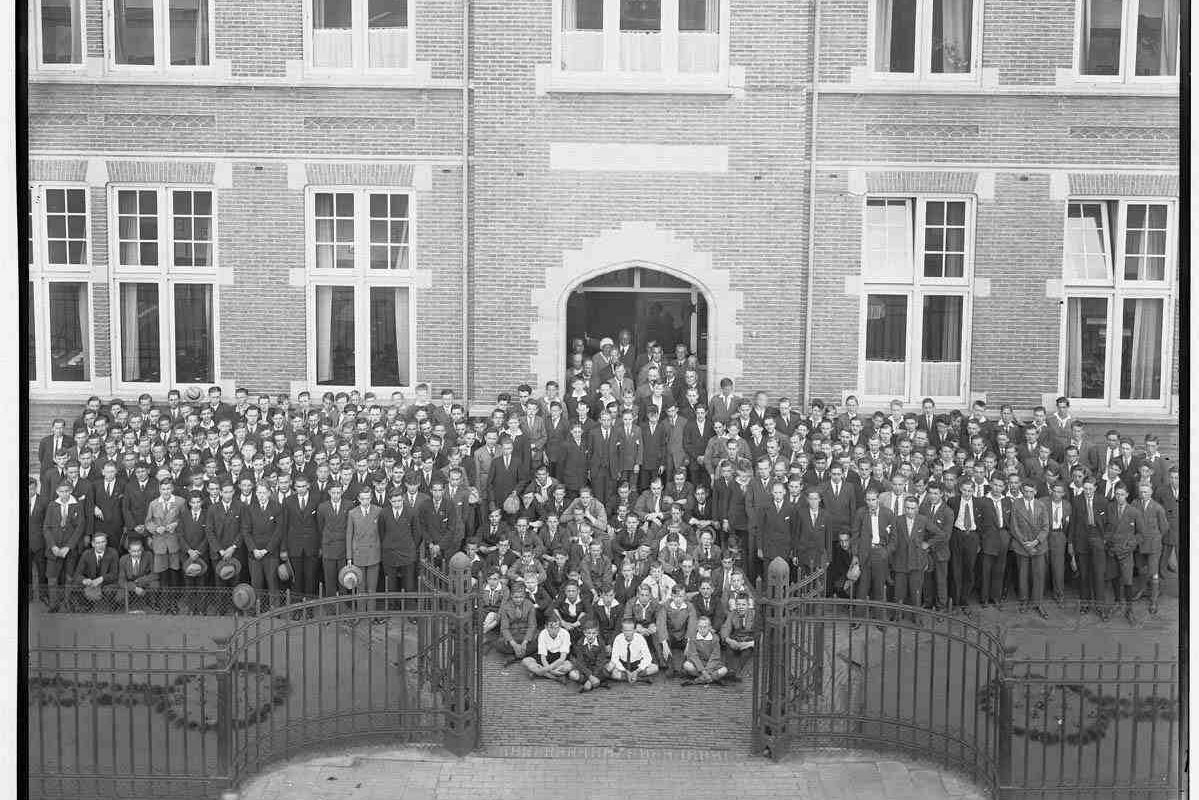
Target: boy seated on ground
552,658
492,595
701,658
588,657
676,624
607,613
539,597
643,610
571,610
740,634
631,658
518,622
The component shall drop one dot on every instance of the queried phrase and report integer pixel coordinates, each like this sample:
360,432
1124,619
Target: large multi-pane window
164,271
1118,278
916,263
59,337
924,38
57,39
160,33
360,300
662,38
359,35
1128,39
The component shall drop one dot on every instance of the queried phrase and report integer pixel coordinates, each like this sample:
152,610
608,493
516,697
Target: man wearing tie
50,445
105,501
814,546
301,536
98,566
363,546
874,538
62,528
1058,508
910,553
507,474
939,530
262,532
603,458
1030,539
1149,551
36,505
1125,526
778,529
331,521
135,573
1089,520
994,540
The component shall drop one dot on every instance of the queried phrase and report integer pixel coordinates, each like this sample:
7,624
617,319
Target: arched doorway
650,304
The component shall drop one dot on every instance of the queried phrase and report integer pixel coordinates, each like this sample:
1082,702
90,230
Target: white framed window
360,299
159,35
60,336
917,261
164,289
359,35
363,336
651,40
1127,40
56,39
360,231
1118,281
925,39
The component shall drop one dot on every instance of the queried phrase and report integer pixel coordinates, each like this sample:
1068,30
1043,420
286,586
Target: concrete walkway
552,773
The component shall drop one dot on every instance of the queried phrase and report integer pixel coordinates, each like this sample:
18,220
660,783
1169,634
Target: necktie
136,560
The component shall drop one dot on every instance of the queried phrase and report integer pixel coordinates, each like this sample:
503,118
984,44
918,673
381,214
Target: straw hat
244,597
350,577
194,567
228,568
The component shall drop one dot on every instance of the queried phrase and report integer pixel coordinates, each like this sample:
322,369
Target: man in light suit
162,526
1030,542
363,545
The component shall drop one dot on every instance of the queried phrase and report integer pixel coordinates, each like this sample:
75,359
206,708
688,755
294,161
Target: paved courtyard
546,772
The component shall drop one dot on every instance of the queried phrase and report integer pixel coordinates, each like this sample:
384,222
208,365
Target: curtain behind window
1141,373
133,24
1100,42
952,36
895,36
1157,37
62,39
189,32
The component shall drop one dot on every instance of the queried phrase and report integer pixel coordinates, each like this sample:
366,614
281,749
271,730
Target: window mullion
918,237
162,49
611,36
1128,45
358,26
670,37
915,358
362,226
924,34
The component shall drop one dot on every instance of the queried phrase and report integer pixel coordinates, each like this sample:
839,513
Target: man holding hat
97,568
262,532
362,540
193,538
224,535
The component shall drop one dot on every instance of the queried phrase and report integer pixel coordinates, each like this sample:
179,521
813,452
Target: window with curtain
194,333
641,15
133,32
1088,238
389,231
1099,53
390,335
1157,38
141,354
1086,347
1125,366
69,331
360,34
332,34
335,342
699,36
137,227
387,33
191,215
66,226
188,32
924,37
885,368
62,32
941,345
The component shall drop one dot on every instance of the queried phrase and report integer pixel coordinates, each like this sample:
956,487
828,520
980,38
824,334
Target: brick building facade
887,197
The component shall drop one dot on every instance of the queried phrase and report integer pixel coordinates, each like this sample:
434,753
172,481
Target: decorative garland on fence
189,701
1060,704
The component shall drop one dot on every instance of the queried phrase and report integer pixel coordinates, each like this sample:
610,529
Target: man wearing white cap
602,361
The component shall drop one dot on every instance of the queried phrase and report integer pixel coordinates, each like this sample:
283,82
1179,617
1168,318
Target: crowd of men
615,527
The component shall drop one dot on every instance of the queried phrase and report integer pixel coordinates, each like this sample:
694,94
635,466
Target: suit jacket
399,541
443,526
629,447
363,544
840,508
135,502
1124,530
654,446
333,527
1027,527
994,533
863,540
555,437
301,526
778,531
504,480
164,515
104,568
193,534
723,408
36,509
483,459
939,528
603,455
63,528
757,497
142,575
907,555
46,449
110,506
815,538
1173,507
262,529
1156,528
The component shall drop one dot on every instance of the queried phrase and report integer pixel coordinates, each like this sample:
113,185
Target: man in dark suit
62,528
603,459
873,542
224,531
52,443
1171,499
994,536
135,501
98,567
1088,523
332,521
105,499
301,536
399,545
262,532
697,433
629,448
1125,527
654,440
1030,542
506,475
573,463
909,555
135,573
815,543
778,529
443,531
840,501
938,532
35,546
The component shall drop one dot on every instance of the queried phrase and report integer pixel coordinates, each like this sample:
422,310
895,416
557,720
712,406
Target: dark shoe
1041,612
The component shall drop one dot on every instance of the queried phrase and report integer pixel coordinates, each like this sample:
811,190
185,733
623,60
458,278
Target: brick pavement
547,772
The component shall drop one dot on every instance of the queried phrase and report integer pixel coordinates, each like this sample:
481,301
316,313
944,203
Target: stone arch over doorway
637,244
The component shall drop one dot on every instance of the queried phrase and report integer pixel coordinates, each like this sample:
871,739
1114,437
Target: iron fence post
462,730
770,695
224,715
1004,731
